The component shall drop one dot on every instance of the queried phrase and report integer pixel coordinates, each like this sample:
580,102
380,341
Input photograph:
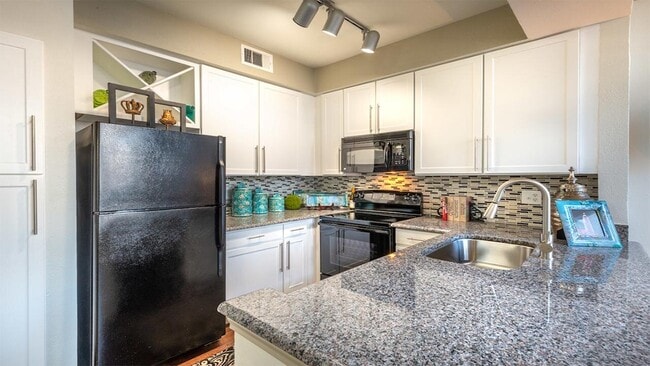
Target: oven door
345,246
365,156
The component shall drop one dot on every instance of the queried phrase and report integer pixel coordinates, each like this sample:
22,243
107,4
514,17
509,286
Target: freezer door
145,168
158,286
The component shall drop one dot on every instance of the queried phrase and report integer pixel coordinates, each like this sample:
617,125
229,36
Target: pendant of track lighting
306,12
335,19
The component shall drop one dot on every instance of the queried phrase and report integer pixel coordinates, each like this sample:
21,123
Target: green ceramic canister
260,202
242,201
276,203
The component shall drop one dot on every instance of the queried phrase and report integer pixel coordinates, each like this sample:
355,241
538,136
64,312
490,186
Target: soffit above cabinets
268,23
543,18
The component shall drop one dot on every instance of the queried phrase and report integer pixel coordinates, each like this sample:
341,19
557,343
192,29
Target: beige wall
613,117
124,20
482,32
640,122
51,22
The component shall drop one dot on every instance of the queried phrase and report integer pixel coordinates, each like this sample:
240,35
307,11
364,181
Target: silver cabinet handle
340,157
476,142
281,257
255,237
33,120
35,205
370,118
298,229
257,159
377,119
288,255
487,155
263,159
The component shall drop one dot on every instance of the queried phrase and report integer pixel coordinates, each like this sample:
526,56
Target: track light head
370,41
335,19
306,12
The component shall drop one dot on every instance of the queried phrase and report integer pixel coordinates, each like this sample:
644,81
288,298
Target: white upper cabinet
331,131
382,106
531,107
269,130
21,102
394,104
99,61
359,110
279,124
449,117
231,109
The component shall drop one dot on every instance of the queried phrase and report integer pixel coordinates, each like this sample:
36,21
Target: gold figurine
167,118
132,107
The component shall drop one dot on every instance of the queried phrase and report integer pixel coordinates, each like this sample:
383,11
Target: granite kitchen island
592,307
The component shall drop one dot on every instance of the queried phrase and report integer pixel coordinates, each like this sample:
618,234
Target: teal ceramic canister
242,201
276,203
260,202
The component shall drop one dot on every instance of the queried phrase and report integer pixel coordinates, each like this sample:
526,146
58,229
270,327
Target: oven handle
372,229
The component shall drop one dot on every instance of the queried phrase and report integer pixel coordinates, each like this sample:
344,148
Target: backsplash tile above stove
480,188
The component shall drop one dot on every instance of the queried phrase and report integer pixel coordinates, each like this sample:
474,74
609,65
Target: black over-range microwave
381,152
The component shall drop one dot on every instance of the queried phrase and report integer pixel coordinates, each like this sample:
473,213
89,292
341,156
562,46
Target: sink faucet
546,242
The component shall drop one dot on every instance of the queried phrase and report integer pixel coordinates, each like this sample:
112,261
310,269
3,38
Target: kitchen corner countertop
592,307
239,223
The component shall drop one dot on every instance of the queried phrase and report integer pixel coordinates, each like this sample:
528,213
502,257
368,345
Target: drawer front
245,238
405,238
298,228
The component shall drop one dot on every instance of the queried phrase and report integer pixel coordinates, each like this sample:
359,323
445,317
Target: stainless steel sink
483,253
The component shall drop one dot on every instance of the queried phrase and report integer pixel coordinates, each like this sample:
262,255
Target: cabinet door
359,110
308,163
256,263
279,126
331,132
300,262
449,117
394,110
22,271
21,102
531,104
230,108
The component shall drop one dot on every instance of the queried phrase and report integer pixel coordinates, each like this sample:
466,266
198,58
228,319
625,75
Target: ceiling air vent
256,58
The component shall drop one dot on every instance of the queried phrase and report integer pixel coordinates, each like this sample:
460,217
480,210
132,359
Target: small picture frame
178,109
147,107
587,223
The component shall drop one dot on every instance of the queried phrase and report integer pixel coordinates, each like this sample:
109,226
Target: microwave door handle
387,155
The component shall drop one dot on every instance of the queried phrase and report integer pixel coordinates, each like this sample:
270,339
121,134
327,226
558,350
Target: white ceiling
268,24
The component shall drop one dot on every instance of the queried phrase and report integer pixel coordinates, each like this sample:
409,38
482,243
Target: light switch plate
531,197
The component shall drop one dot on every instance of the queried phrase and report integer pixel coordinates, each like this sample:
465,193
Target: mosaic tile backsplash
480,188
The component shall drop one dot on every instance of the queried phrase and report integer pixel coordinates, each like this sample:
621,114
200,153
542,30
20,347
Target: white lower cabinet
404,238
22,271
280,257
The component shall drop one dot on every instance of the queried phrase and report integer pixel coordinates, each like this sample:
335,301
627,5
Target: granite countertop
239,223
592,307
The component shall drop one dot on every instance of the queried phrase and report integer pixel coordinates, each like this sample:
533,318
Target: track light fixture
370,41
306,12
335,18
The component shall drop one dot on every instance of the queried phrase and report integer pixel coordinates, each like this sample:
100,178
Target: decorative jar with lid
276,203
567,191
242,201
260,202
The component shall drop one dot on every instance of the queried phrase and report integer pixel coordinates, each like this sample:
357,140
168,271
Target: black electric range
351,239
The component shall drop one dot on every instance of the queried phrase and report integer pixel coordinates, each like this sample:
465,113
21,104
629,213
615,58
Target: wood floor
228,340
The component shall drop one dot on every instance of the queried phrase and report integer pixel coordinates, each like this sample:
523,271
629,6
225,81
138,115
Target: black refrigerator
151,243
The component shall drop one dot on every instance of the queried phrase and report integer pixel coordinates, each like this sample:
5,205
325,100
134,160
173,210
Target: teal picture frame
588,223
